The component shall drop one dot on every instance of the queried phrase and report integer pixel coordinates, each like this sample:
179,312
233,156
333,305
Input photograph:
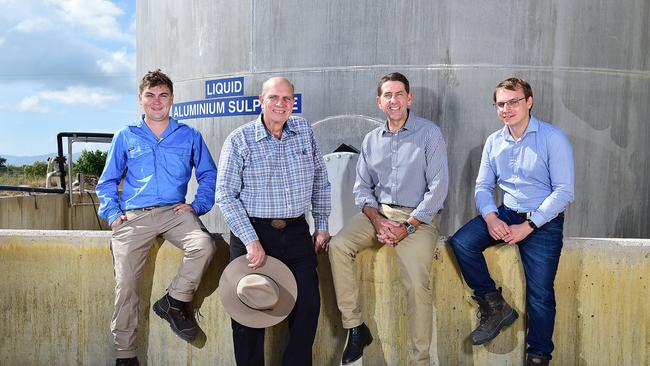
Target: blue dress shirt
261,176
534,173
157,170
406,168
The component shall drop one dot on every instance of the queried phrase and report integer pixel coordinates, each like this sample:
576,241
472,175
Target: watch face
410,229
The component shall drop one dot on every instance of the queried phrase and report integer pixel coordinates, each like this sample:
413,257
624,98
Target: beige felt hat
258,298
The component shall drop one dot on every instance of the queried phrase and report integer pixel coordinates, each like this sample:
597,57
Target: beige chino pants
130,245
415,257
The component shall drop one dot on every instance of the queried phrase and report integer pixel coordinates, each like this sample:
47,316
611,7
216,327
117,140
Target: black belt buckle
278,224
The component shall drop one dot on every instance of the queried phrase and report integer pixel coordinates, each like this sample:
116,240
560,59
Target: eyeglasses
513,103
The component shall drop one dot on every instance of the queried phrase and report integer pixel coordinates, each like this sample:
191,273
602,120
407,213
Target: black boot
179,317
358,338
127,362
537,360
495,314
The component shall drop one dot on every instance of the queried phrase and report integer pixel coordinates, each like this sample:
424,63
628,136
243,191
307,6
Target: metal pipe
72,136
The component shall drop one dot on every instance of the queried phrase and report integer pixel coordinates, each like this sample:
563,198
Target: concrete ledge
57,300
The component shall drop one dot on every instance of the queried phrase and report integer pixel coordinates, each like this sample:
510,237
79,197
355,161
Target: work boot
180,319
358,338
495,315
127,362
537,360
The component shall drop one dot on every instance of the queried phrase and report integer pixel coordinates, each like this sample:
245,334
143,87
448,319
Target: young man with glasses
532,163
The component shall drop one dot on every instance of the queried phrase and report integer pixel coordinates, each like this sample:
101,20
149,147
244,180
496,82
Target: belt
146,208
397,206
527,215
277,223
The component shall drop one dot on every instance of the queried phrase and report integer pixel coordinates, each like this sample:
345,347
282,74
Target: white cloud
97,16
120,61
73,95
37,24
32,104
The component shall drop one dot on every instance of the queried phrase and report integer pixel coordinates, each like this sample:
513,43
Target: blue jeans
540,255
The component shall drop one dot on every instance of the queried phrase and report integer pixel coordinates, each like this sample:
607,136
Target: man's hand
518,233
255,254
386,230
117,221
397,231
182,208
497,228
321,241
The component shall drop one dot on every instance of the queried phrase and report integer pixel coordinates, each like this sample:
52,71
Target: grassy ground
19,180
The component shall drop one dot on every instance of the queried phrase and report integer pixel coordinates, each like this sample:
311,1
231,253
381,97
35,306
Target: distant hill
29,160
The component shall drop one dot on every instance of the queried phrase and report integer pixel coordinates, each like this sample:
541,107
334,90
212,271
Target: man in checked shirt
270,171
401,185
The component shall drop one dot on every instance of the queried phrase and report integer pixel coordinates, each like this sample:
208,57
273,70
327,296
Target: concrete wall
56,301
588,63
51,212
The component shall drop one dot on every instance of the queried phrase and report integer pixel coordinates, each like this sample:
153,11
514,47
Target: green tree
3,163
90,162
37,169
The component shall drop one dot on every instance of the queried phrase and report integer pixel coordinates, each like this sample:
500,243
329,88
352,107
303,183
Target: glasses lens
511,103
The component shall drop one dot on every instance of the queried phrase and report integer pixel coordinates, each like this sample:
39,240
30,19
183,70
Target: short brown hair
514,83
155,78
393,76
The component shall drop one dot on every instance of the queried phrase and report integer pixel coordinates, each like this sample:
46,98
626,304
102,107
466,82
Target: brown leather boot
495,314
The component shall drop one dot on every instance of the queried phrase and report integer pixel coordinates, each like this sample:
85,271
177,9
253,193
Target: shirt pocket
177,162
301,165
140,160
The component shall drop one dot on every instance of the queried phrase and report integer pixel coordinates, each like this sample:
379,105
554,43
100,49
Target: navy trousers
293,246
540,256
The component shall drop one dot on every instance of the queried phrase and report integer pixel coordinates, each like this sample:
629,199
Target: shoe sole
361,355
504,323
161,313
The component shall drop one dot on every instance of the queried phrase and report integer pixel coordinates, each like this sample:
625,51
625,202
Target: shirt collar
533,126
407,125
261,132
173,125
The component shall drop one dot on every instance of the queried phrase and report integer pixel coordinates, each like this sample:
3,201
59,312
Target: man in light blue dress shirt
270,171
531,161
401,185
154,158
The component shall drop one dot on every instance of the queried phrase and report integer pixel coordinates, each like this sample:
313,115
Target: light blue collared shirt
261,176
157,170
535,173
405,168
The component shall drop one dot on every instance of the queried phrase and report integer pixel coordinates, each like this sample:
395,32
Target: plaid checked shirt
260,176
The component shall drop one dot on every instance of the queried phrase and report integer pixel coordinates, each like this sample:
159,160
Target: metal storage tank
588,63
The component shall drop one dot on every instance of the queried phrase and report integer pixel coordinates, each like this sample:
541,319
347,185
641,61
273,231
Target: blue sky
65,65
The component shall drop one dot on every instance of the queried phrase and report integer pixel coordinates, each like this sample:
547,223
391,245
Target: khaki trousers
415,256
130,245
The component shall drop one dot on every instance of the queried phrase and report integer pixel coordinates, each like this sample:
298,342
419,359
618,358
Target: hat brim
250,317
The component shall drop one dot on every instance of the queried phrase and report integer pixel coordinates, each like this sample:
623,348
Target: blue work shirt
534,173
157,170
262,176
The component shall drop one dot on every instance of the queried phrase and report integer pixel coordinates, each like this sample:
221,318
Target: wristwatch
532,224
410,229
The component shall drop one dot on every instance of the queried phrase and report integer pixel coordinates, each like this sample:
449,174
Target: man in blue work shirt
154,157
532,163
270,172
401,186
